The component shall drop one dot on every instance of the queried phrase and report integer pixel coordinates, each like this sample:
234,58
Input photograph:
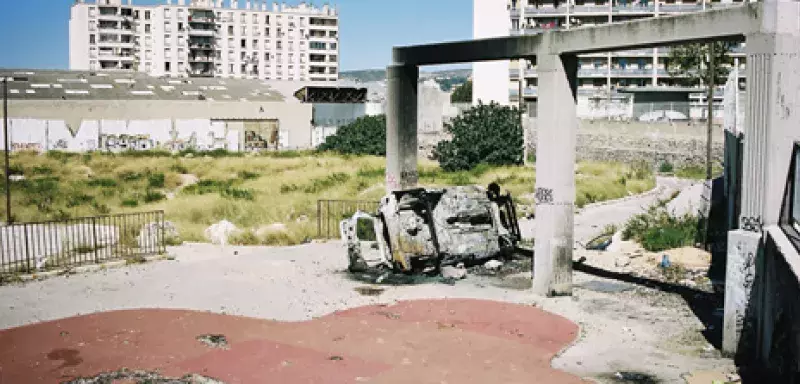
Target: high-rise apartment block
209,38
604,72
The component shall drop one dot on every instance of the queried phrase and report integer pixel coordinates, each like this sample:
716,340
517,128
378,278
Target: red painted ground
429,341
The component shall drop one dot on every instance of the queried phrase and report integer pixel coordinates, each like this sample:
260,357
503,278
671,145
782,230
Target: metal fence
28,247
331,212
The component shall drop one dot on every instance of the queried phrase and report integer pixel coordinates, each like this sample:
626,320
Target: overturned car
424,229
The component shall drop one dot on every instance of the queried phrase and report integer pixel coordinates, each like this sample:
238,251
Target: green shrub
462,93
247,175
245,238
155,180
658,230
238,193
321,184
130,175
486,133
42,170
177,167
130,202
153,196
102,182
203,187
371,172
77,199
145,153
15,169
61,156
365,136
666,167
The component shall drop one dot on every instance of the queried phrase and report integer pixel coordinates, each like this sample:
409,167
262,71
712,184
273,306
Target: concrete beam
401,127
728,23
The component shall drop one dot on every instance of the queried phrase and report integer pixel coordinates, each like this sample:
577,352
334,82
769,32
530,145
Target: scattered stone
493,265
220,232
336,358
16,177
456,273
125,375
622,261
214,341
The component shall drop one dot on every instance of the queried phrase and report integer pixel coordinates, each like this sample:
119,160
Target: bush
666,167
153,196
365,136
102,182
155,180
238,193
486,133
462,94
178,167
247,175
657,230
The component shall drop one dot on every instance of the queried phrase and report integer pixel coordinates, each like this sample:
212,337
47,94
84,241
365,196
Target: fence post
27,253
162,234
94,238
319,218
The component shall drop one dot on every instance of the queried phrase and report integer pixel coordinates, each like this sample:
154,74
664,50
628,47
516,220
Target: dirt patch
214,341
142,377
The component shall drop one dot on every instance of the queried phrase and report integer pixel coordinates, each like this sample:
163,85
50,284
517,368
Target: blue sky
369,28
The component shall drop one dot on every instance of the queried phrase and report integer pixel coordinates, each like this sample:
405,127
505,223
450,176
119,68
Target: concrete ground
628,326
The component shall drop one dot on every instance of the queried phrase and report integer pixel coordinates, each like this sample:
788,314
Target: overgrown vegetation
462,93
365,136
256,191
696,172
658,230
485,134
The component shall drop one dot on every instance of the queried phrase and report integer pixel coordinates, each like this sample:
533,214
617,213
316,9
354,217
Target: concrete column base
401,127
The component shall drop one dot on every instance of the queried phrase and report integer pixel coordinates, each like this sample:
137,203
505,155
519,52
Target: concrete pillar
770,130
557,127
401,127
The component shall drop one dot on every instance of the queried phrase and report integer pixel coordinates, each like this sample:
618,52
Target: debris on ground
214,341
369,291
142,377
456,273
492,265
220,232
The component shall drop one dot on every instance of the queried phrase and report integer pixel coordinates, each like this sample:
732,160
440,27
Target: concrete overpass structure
772,33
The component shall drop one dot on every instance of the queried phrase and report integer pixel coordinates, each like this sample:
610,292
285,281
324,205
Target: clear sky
35,33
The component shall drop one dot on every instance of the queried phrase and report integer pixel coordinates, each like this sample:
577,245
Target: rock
271,229
449,272
16,177
150,232
492,265
220,232
622,261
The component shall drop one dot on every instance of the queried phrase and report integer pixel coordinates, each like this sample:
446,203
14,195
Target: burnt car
424,229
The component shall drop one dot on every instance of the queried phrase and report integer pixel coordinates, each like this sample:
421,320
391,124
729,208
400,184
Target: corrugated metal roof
31,84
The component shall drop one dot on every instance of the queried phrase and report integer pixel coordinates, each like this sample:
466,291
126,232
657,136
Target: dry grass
253,191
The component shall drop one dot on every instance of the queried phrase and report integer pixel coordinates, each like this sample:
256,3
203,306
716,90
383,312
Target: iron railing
331,212
29,247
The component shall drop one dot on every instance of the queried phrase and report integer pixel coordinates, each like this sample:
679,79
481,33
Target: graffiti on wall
139,135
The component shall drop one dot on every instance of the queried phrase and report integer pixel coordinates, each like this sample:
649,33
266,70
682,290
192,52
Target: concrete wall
116,125
676,143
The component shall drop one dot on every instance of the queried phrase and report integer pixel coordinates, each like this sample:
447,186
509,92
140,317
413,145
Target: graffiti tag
26,147
752,224
409,177
544,195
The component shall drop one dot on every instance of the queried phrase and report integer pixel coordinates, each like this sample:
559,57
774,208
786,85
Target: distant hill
447,79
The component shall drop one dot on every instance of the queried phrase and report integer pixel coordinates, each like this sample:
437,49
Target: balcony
631,72
592,72
202,20
590,9
634,53
680,8
201,59
546,10
201,47
202,32
633,9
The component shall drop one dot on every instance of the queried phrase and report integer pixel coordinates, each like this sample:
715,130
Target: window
147,15
243,55
279,45
230,30
147,28
317,45
266,32
166,66
167,13
333,45
243,18
332,33
255,44
244,43
266,19
255,18
91,39
332,58
180,26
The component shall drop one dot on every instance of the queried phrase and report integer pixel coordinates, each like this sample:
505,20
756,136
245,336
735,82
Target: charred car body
424,229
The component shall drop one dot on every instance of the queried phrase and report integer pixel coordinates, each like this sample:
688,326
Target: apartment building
206,38
603,73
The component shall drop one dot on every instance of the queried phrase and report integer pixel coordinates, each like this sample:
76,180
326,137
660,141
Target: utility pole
7,149
712,69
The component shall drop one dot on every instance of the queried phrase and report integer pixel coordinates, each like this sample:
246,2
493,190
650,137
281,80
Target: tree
463,93
365,136
689,63
487,133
